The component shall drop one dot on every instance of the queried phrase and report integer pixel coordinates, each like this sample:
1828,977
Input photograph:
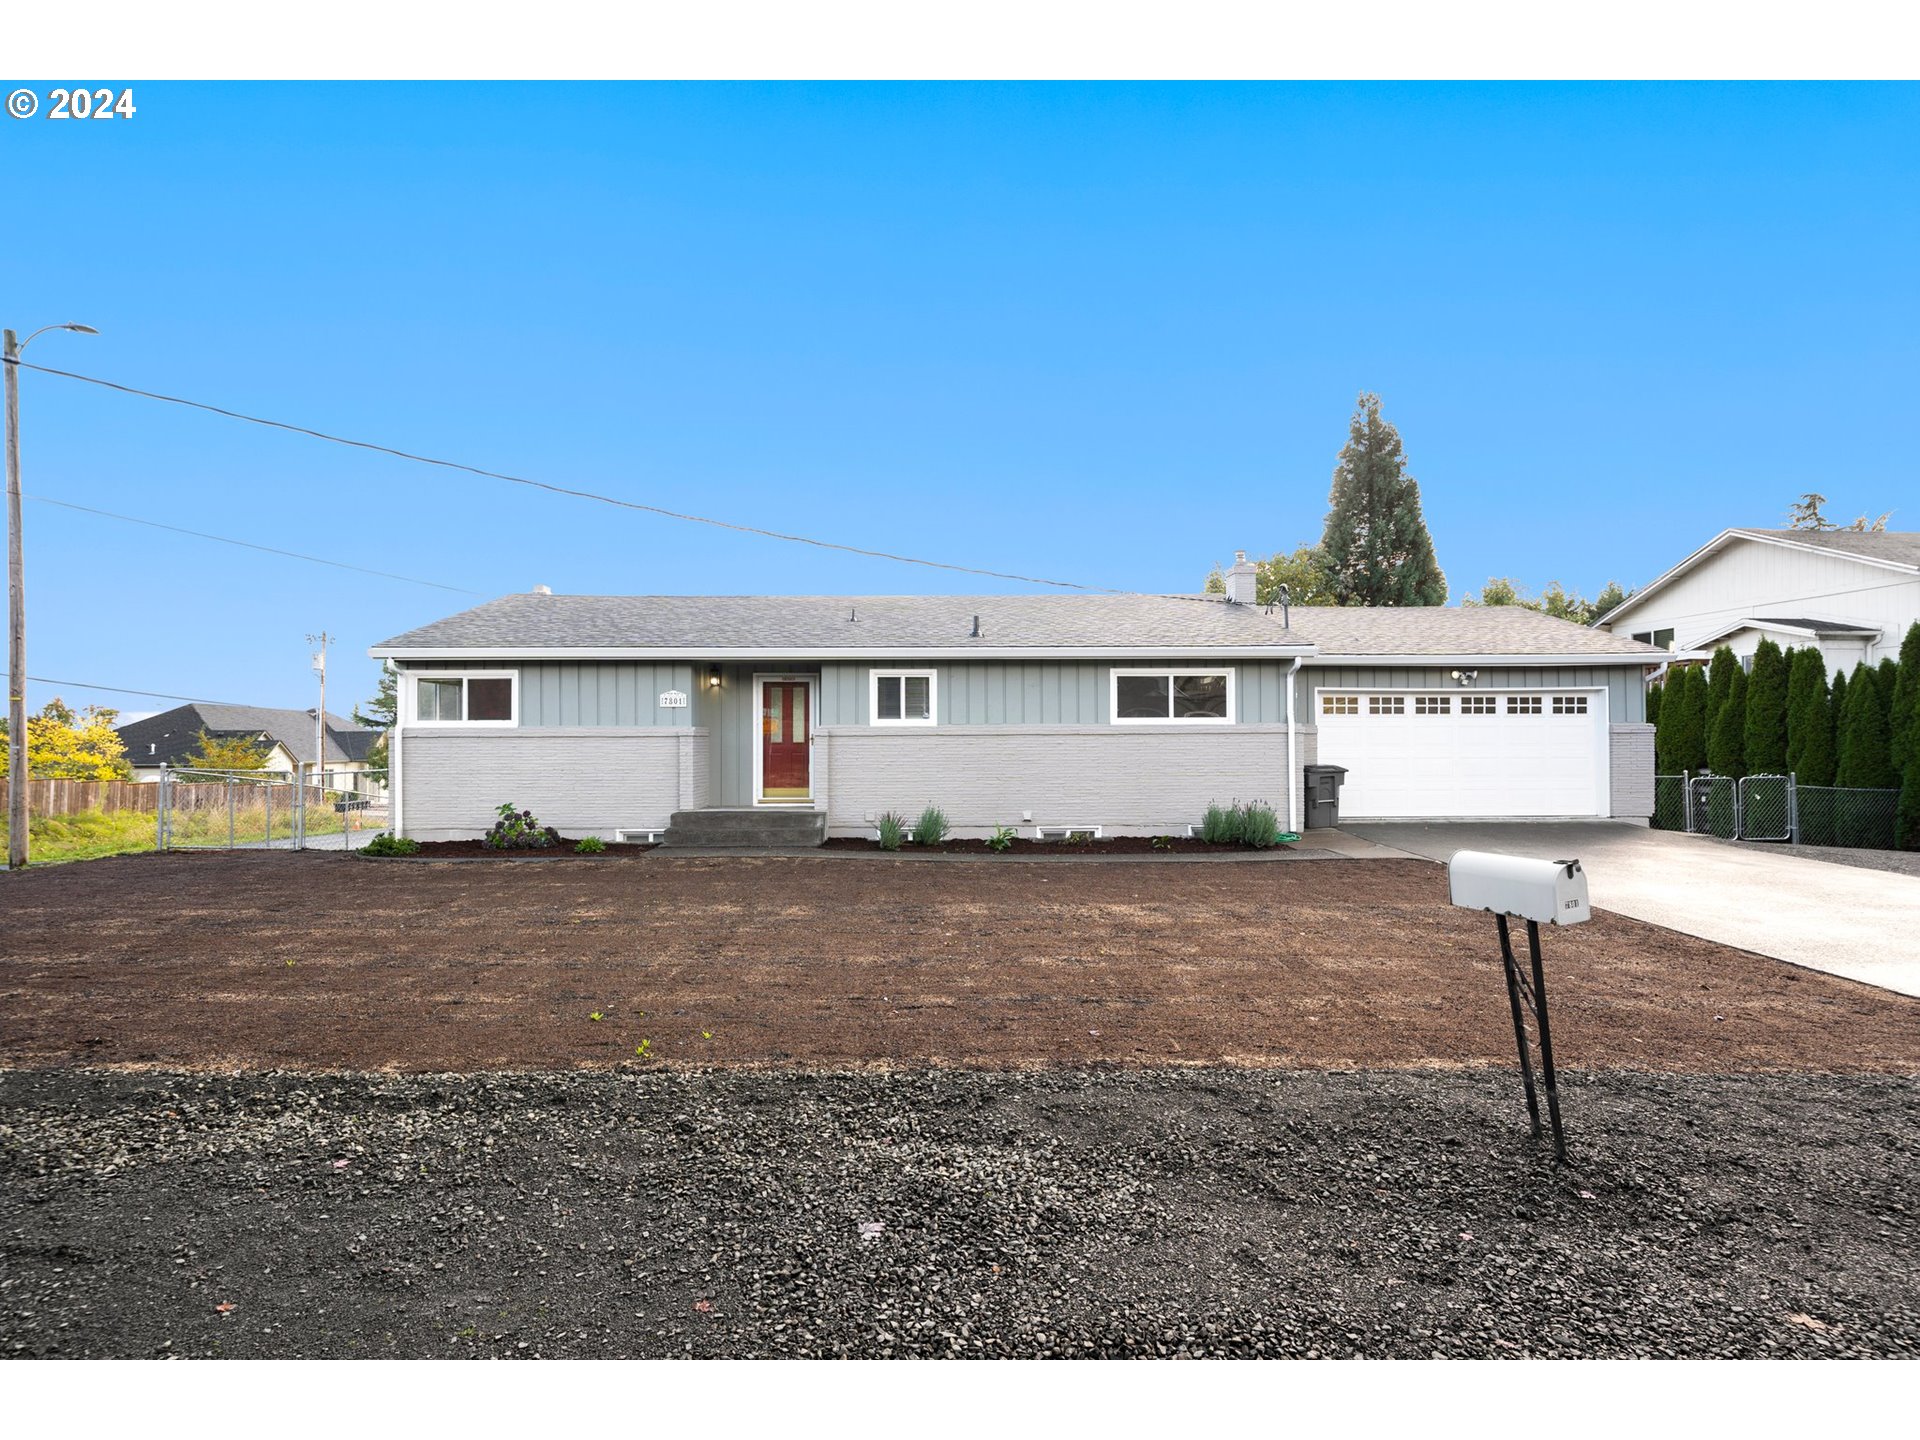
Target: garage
1534,753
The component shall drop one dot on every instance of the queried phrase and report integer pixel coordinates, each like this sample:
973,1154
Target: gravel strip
1060,1212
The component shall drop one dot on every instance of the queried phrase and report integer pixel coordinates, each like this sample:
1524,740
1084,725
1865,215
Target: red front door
786,735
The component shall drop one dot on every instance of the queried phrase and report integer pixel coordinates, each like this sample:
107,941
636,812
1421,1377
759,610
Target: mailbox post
1541,892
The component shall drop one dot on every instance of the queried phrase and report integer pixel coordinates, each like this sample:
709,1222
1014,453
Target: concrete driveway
1862,924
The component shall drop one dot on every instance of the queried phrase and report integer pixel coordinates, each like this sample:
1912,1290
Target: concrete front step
757,828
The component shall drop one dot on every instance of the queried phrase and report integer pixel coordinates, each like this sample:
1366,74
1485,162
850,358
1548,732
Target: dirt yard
317,962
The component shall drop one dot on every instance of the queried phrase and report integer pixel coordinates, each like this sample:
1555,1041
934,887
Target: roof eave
495,653
1720,542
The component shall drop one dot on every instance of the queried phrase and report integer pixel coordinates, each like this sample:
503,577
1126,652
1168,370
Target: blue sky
1101,332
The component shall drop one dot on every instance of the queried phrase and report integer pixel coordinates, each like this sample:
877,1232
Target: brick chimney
1242,580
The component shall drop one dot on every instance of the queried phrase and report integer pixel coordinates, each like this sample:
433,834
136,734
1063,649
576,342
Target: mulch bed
479,850
1025,848
1058,1213
316,961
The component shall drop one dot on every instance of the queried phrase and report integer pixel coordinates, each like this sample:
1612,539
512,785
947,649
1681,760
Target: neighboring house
287,736
605,715
1850,593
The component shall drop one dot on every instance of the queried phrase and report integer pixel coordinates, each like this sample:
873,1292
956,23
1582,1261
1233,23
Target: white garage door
1466,753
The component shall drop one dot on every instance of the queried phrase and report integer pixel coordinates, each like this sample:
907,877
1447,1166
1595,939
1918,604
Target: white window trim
412,689
932,678
1233,695
1067,832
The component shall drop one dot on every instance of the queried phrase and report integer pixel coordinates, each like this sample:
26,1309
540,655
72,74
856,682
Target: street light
10,348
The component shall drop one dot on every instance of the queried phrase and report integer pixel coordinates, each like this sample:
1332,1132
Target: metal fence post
1793,808
266,793
1686,793
299,806
229,812
160,812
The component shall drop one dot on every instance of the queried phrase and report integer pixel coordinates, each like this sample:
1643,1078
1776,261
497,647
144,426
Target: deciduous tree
226,752
64,746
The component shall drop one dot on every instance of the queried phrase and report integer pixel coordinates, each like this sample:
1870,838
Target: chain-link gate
1713,806
269,810
1765,807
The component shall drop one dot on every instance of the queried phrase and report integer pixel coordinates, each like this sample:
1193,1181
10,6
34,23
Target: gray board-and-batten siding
990,692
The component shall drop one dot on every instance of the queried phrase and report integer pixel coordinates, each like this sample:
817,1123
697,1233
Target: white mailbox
1548,892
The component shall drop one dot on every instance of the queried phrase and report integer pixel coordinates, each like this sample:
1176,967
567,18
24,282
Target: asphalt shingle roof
174,734
1902,547
806,624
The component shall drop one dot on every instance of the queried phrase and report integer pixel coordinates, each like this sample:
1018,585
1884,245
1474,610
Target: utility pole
323,639
16,624
10,348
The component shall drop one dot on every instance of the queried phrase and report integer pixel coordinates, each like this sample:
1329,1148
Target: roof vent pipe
975,635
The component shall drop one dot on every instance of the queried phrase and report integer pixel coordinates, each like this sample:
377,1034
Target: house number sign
673,700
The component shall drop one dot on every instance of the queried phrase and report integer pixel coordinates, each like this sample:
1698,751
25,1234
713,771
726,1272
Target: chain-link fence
1860,819
1775,808
264,810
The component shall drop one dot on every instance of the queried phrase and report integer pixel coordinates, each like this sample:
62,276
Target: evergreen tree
1720,673
1809,727
1837,713
1863,761
382,712
1726,746
1766,747
1906,818
1688,707
1905,725
1376,547
1653,707
1886,675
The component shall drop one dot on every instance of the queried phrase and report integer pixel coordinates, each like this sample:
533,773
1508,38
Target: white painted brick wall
1140,780
1630,754
580,781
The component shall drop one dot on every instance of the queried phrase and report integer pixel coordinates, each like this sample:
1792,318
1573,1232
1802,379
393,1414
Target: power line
123,690
565,490
250,545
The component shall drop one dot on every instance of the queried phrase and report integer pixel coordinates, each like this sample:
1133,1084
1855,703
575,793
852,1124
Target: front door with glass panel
786,735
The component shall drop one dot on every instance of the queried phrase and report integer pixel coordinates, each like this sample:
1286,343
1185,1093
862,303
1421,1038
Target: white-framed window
1433,704
903,697
1479,704
1386,704
465,697
1569,704
1339,704
1066,832
1523,705
1172,697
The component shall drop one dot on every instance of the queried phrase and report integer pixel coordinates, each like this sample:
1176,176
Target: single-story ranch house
609,715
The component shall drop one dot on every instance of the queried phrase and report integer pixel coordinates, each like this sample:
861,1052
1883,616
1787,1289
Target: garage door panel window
1432,704
1172,697
1523,705
1569,704
1386,704
1479,705
464,700
1339,704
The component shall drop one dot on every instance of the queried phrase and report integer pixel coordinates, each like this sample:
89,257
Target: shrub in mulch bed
1019,848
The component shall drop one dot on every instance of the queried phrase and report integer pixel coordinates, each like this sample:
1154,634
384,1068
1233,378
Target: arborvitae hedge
1864,760
1809,724
1726,745
1906,697
1766,743
1720,673
1686,711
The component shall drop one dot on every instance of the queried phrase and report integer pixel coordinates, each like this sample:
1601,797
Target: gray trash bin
1323,795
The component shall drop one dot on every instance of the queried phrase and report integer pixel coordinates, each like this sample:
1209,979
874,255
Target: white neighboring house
1850,593
171,736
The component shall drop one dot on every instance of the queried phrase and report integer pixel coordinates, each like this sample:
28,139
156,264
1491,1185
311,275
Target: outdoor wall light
1466,677
713,677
